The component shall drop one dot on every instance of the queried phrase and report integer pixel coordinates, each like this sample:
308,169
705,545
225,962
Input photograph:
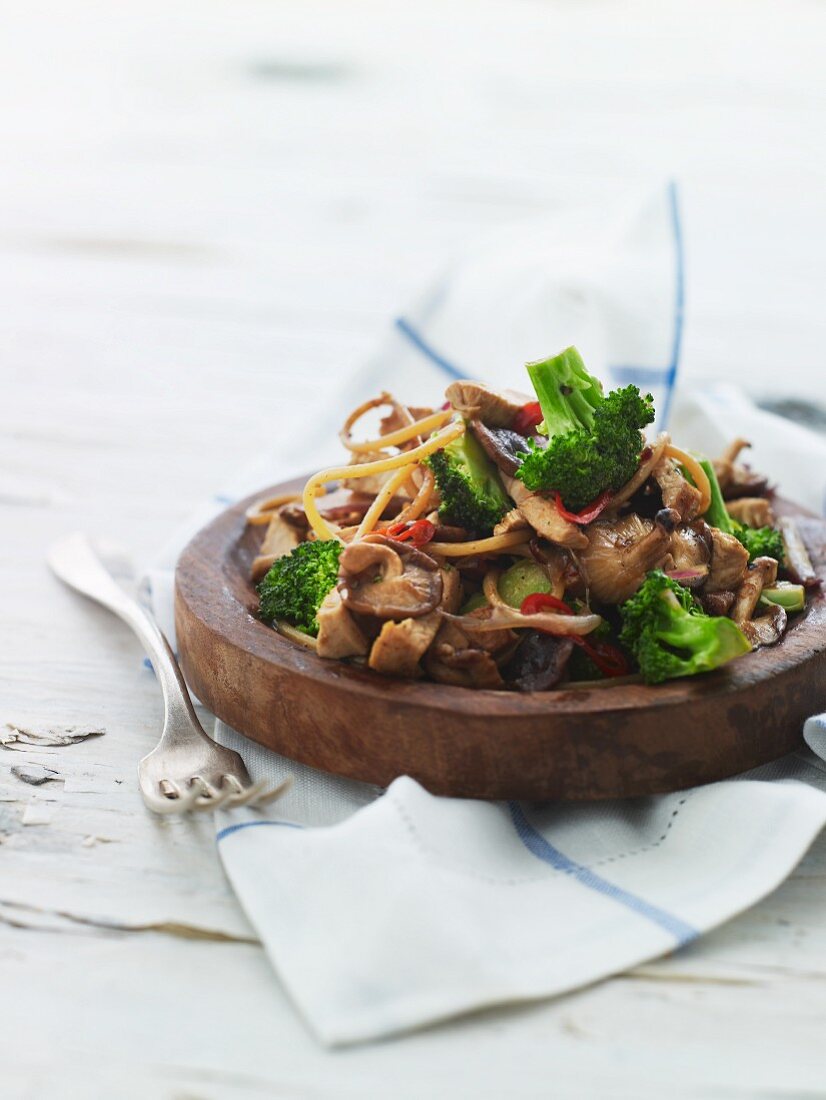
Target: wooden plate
584,743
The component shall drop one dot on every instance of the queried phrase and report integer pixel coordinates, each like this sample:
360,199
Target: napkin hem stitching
430,852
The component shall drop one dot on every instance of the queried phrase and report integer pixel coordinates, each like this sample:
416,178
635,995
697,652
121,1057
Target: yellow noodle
698,474
295,635
384,398
494,545
373,514
424,426
261,512
366,469
421,500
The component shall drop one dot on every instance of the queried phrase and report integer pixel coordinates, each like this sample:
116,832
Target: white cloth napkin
383,911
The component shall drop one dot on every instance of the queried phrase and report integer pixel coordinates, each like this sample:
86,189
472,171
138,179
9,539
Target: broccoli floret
759,541
594,440
295,586
670,635
472,493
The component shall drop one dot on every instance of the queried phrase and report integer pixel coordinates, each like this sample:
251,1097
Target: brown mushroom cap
768,629
621,552
759,575
539,662
475,400
388,580
691,550
471,667
503,446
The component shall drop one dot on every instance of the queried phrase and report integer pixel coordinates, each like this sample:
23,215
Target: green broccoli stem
482,471
717,513
567,393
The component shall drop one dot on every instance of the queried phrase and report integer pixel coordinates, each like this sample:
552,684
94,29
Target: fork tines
201,795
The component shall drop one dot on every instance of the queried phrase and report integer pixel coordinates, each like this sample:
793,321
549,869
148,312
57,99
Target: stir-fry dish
528,543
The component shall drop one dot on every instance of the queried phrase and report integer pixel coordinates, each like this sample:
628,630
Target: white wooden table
207,209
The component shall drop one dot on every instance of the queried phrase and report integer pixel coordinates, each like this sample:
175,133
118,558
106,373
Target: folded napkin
383,911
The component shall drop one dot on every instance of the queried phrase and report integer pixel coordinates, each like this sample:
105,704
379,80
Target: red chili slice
419,532
543,601
589,513
608,658
527,418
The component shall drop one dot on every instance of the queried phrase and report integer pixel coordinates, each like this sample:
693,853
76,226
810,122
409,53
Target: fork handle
74,561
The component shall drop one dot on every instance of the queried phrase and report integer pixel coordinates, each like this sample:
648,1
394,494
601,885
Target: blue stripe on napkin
665,376
625,374
538,846
418,341
230,829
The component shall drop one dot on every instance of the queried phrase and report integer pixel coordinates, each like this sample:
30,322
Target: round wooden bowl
578,743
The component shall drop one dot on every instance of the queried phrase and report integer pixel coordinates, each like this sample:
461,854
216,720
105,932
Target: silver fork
186,770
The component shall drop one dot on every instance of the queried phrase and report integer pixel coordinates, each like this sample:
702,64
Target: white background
208,211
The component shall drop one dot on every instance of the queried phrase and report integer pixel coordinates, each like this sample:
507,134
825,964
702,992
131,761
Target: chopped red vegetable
419,532
544,601
528,417
589,513
609,659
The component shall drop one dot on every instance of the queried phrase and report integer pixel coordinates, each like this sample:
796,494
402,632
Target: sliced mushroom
539,662
729,560
281,538
738,480
400,646
752,511
761,573
473,668
504,447
447,532
677,492
622,551
476,401
542,514
499,643
768,629
511,521
691,550
716,603
338,633
515,489
797,561
388,580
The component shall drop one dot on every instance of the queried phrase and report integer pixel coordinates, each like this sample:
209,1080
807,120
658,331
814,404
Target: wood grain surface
607,742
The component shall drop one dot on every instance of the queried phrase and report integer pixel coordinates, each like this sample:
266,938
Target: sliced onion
503,617
696,573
